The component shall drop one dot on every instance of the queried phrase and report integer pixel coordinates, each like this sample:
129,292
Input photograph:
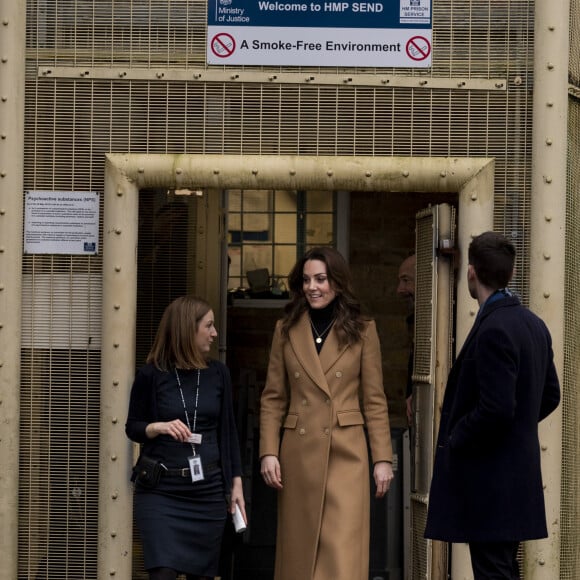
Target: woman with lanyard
189,471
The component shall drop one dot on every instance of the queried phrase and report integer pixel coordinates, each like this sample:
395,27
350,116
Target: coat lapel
315,366
331,351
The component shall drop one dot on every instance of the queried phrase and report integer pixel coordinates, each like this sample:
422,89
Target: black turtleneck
322,319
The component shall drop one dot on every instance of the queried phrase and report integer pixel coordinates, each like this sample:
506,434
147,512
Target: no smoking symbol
223,45
418,48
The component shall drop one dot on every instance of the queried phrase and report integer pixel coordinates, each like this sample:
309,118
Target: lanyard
185,408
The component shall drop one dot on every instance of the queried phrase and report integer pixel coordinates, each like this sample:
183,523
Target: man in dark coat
487,483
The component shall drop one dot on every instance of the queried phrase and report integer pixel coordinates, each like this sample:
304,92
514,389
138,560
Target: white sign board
61,222
383,33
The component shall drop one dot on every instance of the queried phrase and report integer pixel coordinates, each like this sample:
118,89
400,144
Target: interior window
268,230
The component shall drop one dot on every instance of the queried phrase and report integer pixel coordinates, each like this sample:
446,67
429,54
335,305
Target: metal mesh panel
421,567
425,379
72,122
59,417
166,254
469,39
59,463
574,66
570,506
177,117
424,307
570,502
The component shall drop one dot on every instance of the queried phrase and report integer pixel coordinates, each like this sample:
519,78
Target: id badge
195,468
195,439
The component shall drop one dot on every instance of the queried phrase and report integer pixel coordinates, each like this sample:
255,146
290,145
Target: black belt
186,472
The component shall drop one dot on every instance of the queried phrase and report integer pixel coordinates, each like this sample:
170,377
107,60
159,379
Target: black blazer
143,410
487,482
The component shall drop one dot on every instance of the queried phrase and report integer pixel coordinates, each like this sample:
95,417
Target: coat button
304,402
296,375
338,374
327,431
327,401
302,431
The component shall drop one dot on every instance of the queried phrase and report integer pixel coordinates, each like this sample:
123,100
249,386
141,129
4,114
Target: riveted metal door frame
125,174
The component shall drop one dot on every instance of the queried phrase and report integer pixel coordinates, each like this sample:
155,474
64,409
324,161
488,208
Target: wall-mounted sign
61,222
319,33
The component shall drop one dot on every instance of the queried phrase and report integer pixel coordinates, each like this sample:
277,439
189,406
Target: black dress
181,522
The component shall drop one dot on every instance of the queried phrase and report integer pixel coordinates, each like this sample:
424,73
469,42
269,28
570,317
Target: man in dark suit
487,483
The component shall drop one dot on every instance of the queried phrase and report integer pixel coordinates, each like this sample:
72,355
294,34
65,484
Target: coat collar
302,343
489,309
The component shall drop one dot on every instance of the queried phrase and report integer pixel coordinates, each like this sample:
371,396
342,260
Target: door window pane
285,228
270,229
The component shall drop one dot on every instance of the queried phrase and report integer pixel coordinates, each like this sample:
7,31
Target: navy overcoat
487,482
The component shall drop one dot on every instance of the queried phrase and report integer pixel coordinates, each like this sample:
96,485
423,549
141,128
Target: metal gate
434,312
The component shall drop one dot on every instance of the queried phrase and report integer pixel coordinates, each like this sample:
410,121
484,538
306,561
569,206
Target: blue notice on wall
319,33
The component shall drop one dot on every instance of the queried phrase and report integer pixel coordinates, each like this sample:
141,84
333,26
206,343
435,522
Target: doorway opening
468,181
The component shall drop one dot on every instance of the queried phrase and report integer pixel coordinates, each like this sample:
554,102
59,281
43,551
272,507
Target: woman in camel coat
324,386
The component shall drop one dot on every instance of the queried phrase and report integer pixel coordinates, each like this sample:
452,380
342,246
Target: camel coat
313,414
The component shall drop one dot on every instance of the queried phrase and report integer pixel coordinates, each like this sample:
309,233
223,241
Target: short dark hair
492,256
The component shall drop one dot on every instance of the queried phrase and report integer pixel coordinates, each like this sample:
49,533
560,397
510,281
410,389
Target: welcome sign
319,33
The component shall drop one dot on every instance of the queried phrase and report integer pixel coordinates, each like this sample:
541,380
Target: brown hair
174,345
349,319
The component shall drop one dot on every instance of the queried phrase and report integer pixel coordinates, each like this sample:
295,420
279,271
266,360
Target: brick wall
382,236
